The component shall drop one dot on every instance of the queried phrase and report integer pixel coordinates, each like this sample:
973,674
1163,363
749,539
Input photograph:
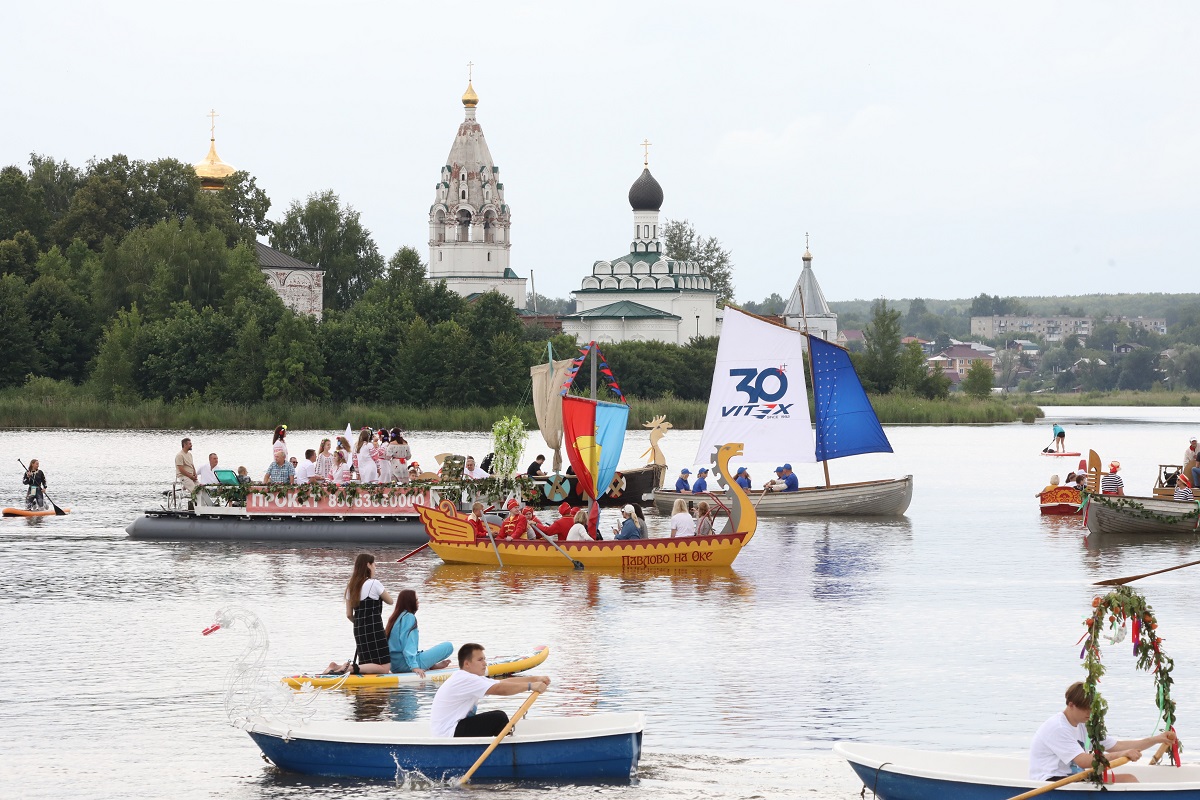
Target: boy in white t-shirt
1058,749
453,712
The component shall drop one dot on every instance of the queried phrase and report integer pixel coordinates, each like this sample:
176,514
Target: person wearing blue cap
681,485
790,482
776,483
701,484
743,478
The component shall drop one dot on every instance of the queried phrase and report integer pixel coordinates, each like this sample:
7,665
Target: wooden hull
900,773
179,526
887,498
639,488
1108,515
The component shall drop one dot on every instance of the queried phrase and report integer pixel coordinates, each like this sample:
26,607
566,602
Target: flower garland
1139,509
1118,607
376,492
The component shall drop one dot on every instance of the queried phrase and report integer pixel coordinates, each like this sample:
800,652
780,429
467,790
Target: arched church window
462,195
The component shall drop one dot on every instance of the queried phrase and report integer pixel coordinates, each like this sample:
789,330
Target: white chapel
469,221
643,295
806,308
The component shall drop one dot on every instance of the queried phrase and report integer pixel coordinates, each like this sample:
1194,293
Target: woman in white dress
682,523
364,449
384,461
323,468
578,532
401,456
341,467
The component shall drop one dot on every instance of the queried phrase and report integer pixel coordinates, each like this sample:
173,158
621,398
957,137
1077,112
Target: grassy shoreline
1115,398
28,410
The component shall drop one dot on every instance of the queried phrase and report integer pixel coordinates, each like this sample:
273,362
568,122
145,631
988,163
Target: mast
811,370
592,348
533,286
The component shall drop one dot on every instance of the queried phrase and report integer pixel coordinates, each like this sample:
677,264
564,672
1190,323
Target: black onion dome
645,194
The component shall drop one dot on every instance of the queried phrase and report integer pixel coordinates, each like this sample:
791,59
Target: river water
952,628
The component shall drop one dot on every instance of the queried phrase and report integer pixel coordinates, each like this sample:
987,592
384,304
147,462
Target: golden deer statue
658,429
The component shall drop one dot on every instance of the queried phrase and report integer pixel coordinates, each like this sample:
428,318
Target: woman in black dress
365,597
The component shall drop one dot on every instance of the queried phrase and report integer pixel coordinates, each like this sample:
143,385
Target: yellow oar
500,737
1078,776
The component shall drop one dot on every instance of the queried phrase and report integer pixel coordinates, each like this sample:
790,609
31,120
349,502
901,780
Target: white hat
628,509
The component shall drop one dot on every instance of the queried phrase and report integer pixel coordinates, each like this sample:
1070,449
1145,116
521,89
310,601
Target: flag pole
811,372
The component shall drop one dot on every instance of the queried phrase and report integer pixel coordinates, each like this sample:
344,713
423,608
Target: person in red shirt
516,523
478,522
561,526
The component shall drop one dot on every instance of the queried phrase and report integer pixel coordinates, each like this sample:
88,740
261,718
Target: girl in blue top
403,640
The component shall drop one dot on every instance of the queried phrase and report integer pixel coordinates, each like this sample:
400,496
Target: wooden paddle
58,512
1132,578
577,564
1078,776
413,553
533,696
495,546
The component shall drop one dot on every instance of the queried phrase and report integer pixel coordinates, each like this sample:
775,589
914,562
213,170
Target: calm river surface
952,628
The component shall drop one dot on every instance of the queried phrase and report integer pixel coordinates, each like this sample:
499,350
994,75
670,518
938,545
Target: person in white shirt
682,523
579,531
207,473
306,470
472,471
453,712
1058,752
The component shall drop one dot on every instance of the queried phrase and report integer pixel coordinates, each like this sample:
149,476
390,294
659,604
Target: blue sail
846,423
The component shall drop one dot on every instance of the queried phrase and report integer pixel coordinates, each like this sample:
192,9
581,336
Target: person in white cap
1189,456
631,528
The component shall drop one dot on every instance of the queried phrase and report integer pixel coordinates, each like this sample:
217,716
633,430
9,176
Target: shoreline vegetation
32,409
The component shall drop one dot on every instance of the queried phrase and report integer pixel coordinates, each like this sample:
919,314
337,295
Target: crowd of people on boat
785,480
1180,480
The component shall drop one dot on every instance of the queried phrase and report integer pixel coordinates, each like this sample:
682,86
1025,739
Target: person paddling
1060,439
454,705
35,479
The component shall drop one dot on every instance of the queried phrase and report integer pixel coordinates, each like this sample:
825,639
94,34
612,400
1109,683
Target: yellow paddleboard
500,665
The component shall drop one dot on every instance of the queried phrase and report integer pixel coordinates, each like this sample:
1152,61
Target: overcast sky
931,149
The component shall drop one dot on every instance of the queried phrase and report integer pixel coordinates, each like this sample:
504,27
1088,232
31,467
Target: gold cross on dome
646,155
212,130
470,69
806,240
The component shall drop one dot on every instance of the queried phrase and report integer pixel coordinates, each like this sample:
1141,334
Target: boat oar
495,546
1078,776
576,564
413,553
58,512
533,696
1162,750
1132,578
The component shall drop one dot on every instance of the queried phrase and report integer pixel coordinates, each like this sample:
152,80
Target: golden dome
470,99
212,171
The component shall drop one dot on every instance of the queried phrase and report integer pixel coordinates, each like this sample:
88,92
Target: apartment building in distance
1053,329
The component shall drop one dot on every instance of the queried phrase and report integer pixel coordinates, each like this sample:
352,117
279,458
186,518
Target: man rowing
454,705
1058,751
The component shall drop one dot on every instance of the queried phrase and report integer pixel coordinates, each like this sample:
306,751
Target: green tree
295,365
323,233
20,348
407,269
683,243
115,368
772,305
63,328
880,360
979,379
1138,370
19,255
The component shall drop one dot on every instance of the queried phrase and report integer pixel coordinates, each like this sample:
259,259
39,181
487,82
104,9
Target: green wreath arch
1121,607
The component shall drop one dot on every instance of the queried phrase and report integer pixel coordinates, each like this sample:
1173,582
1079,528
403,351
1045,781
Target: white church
643,295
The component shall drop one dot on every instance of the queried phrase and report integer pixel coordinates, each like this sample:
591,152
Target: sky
931,149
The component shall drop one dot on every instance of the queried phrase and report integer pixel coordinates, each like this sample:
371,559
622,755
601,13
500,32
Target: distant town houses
1055,328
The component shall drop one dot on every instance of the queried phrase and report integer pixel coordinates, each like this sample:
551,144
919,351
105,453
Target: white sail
758,395
547,404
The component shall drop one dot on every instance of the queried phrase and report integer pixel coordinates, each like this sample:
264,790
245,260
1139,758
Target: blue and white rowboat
900,773
601,747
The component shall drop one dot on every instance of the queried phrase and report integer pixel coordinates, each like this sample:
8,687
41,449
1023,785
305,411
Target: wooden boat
753,400
23,512
602,747
901,773
387,515
635,485
453,539
1061,500
1109,514
869,498
499,665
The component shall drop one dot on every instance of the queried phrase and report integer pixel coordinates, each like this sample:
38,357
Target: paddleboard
1072,455
499,665
20,512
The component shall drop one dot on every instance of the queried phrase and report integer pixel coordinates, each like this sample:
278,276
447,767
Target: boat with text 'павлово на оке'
454,540
319,513
759,398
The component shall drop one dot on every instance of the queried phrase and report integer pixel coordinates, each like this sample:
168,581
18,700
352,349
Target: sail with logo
759,397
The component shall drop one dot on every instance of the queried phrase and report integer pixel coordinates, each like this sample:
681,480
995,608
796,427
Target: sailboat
759,397
621,486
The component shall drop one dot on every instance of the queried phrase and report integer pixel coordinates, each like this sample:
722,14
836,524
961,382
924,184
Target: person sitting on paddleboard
454,705
1112,483
403,639
561,526
681,485
1060,439
35,479
1058,752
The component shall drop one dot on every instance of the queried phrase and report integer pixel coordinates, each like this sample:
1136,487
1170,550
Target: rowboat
499,665
1060,500
453,539
1110,514
759,397
602,747
901,773
869,498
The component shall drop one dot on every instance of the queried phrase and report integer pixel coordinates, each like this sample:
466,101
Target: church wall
301,290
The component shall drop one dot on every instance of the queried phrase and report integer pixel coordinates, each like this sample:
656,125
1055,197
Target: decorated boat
759,397
1060,500
1123,514
453,539
601,747
312,513
635,485
901,773
497,665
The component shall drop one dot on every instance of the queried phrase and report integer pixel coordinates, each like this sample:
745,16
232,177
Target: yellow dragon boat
453,539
